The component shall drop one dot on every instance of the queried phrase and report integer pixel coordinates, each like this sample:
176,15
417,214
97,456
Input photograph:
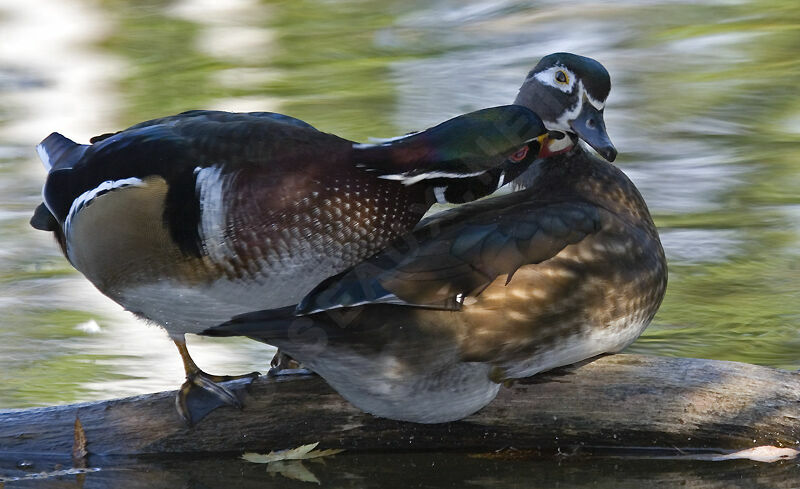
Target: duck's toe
202,393
282,361
283,364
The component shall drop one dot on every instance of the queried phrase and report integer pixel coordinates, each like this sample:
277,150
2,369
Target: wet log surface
616,401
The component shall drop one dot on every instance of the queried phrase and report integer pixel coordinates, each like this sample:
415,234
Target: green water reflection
704,111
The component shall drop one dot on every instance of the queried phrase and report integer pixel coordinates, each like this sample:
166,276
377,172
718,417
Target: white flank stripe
86,198
210,190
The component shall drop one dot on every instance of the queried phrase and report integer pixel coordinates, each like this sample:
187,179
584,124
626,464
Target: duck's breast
593,297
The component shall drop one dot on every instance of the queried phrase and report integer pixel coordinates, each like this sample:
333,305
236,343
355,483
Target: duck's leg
202,392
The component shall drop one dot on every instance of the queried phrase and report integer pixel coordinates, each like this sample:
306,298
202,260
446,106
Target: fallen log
615,401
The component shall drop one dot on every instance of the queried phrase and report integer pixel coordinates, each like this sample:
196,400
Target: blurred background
704,110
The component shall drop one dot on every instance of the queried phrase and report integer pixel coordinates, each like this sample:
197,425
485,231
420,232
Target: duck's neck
578,173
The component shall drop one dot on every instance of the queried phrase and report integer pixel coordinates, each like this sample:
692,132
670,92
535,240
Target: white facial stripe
86,198
548,77
410,180
562,123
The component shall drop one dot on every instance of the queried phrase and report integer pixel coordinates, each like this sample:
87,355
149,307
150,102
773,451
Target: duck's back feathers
223,117
456,256
240,187
172,147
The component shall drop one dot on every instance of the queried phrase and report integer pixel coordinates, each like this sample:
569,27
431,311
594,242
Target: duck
568,92
191,219
568,268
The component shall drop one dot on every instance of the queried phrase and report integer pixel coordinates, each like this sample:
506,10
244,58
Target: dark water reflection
704,111
402,470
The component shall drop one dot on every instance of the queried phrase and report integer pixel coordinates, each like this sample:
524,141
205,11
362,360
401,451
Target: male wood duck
566,269
189,220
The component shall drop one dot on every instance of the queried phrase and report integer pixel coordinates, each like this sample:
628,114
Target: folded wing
450,258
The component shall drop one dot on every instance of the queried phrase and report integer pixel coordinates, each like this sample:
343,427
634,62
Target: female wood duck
191,219
569,268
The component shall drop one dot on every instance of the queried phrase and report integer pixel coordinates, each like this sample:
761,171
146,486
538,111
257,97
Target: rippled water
704,110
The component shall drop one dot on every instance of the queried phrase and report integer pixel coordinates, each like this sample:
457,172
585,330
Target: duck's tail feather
58,152
265,325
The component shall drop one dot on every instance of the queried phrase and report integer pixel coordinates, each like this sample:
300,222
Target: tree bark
615,401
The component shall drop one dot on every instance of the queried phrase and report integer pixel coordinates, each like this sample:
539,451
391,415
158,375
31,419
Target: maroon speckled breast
276,220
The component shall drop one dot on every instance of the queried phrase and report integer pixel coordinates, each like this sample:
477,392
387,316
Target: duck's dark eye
561,77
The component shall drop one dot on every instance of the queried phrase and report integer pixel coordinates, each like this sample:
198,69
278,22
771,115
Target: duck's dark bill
590,126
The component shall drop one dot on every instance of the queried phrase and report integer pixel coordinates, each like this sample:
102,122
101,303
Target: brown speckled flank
343,218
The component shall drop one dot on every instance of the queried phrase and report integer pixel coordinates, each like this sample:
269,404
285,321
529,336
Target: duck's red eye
519,155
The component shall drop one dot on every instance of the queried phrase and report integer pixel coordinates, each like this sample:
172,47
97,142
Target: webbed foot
202,393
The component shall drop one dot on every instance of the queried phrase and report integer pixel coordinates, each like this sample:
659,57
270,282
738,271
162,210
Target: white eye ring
551,75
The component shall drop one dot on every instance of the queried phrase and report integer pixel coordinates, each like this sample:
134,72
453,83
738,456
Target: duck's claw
202,393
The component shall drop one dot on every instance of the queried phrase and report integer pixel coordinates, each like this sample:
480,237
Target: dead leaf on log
303,452
79,450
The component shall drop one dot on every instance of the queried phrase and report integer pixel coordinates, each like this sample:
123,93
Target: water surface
704,110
